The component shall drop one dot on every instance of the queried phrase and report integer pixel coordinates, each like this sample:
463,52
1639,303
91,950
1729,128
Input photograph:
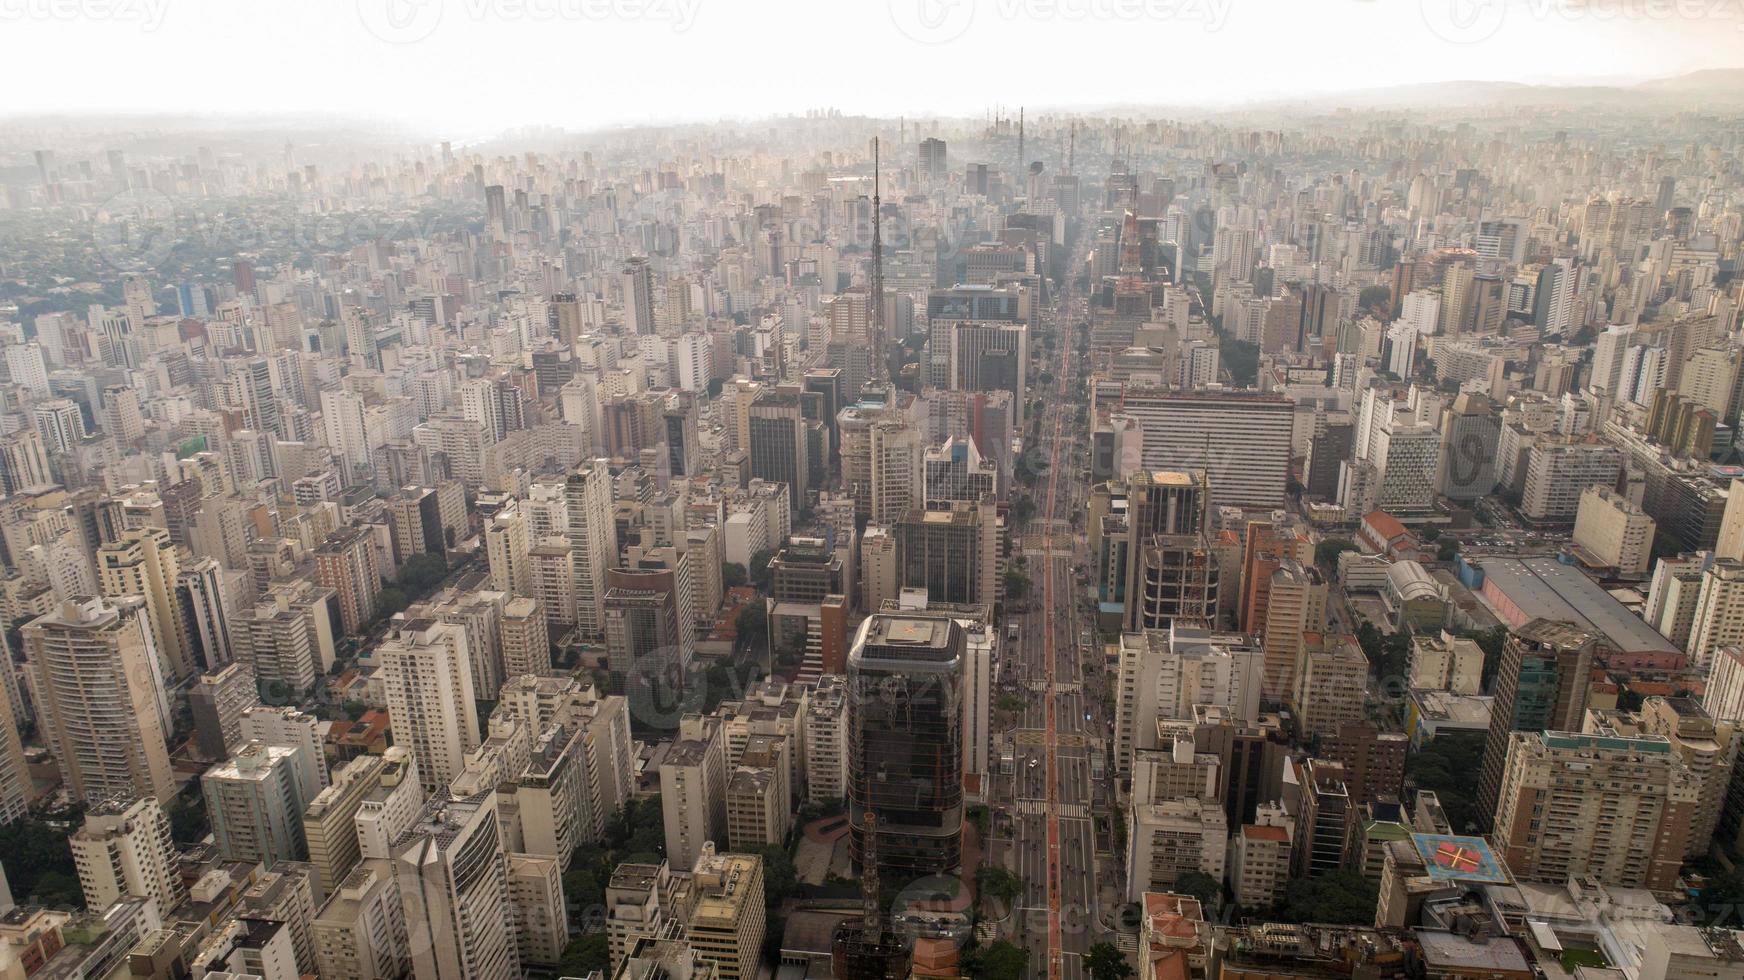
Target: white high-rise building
125,848
360,933
427,671
638,283
100,702
506,544
256,805
342,414
1241,439
60,423
593,541
691,357
1421,308
454,889
1618,532
143,563
293,729
1163,675
1718,621
25,366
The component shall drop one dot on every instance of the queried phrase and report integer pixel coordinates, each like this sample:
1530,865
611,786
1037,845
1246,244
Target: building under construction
867,950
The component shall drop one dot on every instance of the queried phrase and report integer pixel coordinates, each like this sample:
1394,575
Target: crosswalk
1031,736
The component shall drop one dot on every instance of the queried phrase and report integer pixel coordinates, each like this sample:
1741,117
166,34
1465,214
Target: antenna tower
880,358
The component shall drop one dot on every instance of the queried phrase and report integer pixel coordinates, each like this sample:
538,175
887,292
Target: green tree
732,575
1016,585
39,864
1378,298
1240,358
421,573
1448,765
998,883
1326,552
391,600
1208,890
584,955
1342,898
1105,961
1447,550
188,822
779,877
1000,961
760,571
582,886
753,622
1389,654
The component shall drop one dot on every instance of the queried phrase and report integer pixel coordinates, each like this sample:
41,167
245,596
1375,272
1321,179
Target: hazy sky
473,67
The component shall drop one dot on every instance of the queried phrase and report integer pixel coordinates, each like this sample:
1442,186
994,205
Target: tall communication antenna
872,923
880,357
1072,146
1021,164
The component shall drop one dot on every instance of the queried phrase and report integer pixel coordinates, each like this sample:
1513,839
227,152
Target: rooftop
1546,588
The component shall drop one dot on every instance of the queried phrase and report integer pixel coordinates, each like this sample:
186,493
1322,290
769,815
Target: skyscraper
430,695
905,723
593,542
346,563
143,563
648,645
100,703
779,449
256,802
932,159
1617,808
951,550
124,848
638,282
454,887
1541,685
1170,572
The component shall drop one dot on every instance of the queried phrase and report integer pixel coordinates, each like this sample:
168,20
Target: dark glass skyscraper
905,731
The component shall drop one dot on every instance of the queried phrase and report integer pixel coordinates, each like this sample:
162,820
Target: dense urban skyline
983,489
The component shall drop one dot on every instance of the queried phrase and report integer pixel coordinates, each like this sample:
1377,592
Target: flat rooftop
1544,587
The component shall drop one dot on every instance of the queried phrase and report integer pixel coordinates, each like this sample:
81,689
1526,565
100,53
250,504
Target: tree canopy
1000,961
1343,897
39,864
1326,552
1105,961
1448,765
